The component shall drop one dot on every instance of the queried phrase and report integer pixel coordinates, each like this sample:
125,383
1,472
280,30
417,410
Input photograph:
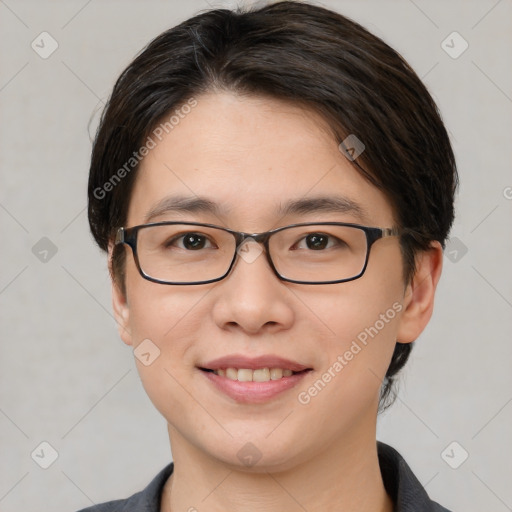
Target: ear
419,294
120,305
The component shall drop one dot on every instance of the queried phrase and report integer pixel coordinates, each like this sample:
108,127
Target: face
251,155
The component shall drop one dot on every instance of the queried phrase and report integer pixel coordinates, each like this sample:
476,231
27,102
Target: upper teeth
247,375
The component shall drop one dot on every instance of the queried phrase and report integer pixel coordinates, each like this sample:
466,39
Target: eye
190,241
319,241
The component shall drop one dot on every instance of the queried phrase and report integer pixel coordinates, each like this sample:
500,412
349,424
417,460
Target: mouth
258,375
255,380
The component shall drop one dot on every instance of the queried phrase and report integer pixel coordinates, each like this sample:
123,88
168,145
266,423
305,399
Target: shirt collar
401,484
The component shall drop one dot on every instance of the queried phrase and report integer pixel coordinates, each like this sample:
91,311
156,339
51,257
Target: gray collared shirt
403,487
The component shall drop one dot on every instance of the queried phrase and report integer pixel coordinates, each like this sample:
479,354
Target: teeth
276,373
260,375
248,375
245,375
231,373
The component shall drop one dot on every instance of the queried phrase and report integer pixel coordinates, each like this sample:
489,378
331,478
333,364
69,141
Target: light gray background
67,379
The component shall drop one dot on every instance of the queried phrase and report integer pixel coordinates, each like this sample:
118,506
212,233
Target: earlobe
419,294
121,313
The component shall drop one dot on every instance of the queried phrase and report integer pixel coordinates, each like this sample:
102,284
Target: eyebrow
303,206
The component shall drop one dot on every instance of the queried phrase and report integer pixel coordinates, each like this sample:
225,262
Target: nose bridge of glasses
244,251
260,238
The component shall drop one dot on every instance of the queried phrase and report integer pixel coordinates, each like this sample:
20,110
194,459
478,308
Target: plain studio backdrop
68,381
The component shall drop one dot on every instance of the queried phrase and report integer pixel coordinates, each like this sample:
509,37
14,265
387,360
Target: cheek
355,362
361,311
156,310
362,318
163,322
170,318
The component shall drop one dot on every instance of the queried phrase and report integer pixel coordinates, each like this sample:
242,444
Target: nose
252,297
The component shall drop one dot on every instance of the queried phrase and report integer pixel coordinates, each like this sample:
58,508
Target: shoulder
402,485
111,506
147,500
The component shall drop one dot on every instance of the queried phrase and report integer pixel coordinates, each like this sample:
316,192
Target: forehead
252,157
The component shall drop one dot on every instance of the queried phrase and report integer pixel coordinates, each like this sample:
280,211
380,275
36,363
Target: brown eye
189,241
320,241
193,241
317,241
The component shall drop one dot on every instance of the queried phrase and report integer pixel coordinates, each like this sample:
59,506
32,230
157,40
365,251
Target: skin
249,154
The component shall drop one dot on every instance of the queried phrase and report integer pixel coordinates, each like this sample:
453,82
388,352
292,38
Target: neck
346,477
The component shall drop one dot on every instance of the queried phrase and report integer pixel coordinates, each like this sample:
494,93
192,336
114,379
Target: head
248,109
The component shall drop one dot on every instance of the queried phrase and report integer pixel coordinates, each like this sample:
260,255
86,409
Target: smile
249,375
253,391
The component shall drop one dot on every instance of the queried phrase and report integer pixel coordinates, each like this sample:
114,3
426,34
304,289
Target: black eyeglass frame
128,236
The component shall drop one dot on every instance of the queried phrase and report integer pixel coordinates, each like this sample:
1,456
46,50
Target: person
274,187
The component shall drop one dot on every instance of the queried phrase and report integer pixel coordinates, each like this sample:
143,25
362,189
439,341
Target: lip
253,363
253,392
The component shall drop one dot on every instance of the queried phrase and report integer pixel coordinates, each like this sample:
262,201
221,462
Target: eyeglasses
189,253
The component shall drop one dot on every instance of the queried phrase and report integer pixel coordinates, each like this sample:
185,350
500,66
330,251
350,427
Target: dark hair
295,52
